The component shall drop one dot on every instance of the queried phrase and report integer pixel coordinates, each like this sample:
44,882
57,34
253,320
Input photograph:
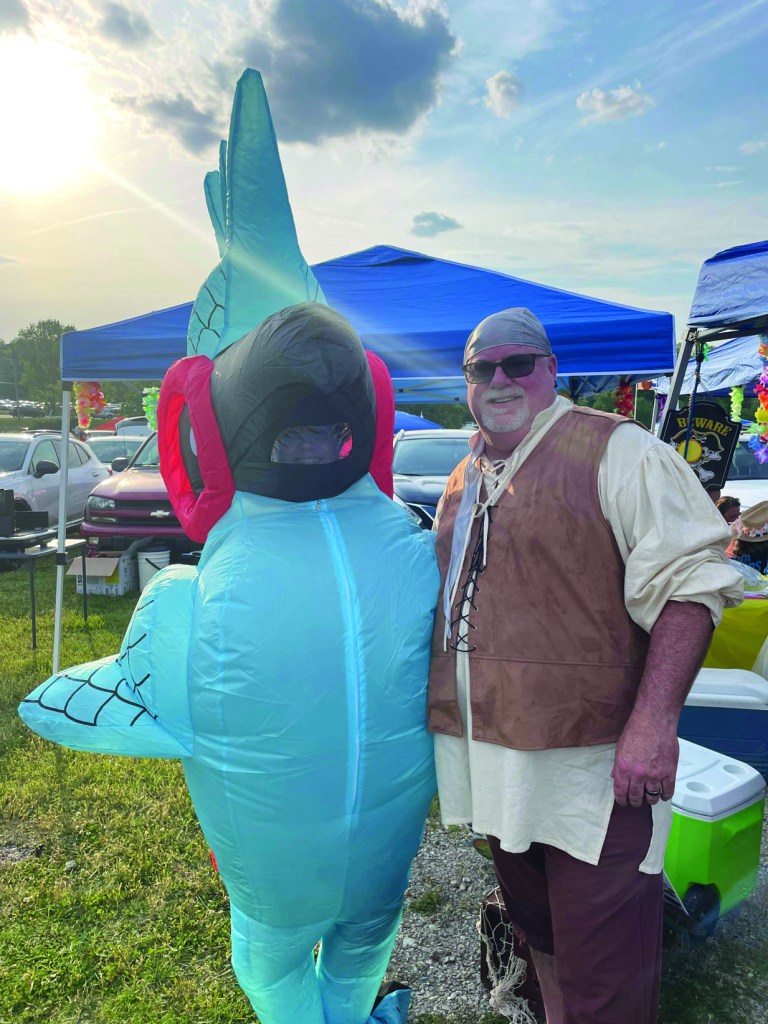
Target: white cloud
721,168
756,146
614,104
503,93
430,224
723,184
655,147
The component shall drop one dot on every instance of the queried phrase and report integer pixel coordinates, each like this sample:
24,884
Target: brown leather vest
557,660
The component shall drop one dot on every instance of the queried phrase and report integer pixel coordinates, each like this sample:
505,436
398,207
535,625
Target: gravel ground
438,953
438,949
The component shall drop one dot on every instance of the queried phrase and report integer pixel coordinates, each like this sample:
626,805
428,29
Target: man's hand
646,762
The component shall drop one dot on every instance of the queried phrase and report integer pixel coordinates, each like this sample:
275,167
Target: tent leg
62,530
678,376
654,412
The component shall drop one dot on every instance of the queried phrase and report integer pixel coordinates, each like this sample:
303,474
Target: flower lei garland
89,399
751,532
758,442
149,402
624,400
737,400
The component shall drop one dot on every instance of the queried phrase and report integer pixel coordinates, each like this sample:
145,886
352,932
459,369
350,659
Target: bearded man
583,570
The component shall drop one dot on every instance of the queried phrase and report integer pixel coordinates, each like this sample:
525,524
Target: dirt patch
12,854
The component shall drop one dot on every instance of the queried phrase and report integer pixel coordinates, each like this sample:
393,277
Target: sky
598,146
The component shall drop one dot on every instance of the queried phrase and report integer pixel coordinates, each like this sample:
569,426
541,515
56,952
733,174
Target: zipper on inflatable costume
288,670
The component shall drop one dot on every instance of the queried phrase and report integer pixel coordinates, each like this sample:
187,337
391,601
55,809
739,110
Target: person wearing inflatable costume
288,670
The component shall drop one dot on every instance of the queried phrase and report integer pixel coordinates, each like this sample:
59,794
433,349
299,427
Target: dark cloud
14,16
429,224
342,66
122,25
195,129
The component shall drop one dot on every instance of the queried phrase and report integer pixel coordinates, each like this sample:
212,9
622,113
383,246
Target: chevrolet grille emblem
159,514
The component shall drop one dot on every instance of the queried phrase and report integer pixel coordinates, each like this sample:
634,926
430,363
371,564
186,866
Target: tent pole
678,376
654,412
61,557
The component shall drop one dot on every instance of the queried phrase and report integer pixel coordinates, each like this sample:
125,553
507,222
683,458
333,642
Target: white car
748,479
137,426
30,467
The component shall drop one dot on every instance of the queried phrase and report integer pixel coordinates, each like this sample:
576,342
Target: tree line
30,370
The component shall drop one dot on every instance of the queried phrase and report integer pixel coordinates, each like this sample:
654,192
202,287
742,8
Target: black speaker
31,521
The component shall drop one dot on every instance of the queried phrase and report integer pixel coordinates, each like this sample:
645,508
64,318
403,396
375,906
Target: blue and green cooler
713,854
727,710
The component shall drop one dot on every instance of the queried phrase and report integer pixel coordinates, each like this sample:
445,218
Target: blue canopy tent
731,296
730,302
407,421
415,312
734,362
412,310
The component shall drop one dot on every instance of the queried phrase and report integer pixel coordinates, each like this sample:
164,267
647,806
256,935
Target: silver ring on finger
653,793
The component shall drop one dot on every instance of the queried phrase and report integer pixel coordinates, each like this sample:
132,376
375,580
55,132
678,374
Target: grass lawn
112,913
117,916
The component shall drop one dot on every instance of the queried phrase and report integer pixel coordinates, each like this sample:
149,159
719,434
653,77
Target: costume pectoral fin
133,703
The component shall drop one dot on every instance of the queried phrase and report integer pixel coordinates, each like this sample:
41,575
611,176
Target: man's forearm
647,751
679,642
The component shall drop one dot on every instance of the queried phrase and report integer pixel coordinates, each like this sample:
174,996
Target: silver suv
30,466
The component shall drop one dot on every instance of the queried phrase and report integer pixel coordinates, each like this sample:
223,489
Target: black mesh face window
313,446
295,405
188,447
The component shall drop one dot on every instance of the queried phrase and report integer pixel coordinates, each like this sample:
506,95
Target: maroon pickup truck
134,504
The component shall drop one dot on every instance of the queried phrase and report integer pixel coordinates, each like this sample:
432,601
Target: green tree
454,415
37,351
127,394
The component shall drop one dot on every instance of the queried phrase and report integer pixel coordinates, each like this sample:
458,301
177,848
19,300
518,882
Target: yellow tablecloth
739,637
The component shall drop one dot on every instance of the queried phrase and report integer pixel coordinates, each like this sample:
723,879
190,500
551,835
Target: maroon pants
601,922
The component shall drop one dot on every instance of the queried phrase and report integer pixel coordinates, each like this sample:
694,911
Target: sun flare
47,119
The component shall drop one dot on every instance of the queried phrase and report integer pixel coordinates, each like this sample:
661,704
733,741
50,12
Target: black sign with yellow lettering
713,441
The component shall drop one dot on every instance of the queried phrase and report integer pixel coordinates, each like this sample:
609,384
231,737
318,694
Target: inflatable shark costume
288,670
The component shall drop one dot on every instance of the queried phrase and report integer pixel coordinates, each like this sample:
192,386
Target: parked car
748,478
135,425
24,408
422,462
30,465
107,447
134,504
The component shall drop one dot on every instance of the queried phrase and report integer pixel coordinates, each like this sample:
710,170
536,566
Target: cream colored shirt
672,540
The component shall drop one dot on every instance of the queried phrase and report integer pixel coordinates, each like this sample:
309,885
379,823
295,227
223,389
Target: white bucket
149,562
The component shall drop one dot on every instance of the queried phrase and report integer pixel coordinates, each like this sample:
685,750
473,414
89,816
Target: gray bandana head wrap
516,326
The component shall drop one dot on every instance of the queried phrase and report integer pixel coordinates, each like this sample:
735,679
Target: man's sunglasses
480,371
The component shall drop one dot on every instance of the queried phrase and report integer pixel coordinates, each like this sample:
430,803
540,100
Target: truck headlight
97,504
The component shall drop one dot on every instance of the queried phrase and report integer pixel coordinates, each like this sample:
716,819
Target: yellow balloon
762,415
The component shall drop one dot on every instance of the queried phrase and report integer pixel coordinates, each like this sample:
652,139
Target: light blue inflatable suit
288,673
